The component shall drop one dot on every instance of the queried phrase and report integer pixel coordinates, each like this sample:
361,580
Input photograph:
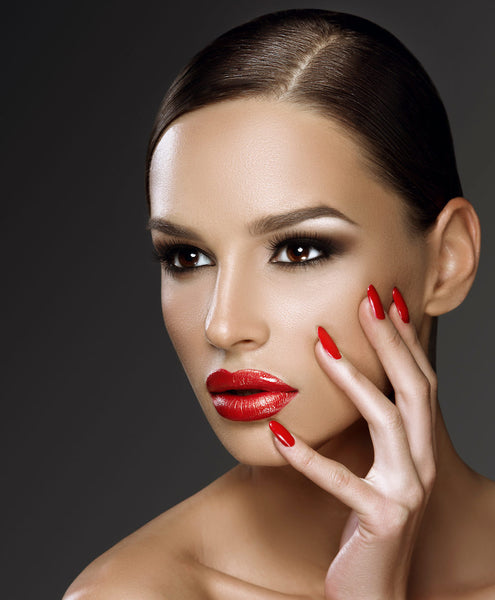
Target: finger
411,385
387,432
330,475
397,360
409,334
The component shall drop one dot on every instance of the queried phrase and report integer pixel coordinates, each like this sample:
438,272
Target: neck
291,506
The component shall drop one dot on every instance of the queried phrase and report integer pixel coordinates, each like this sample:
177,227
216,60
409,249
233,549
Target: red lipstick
248,395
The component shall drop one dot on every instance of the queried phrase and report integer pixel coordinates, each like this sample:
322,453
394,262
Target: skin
361,506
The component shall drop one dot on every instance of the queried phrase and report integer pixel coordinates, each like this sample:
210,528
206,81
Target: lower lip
252,407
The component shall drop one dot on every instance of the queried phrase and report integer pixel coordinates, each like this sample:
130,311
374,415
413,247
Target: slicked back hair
343,67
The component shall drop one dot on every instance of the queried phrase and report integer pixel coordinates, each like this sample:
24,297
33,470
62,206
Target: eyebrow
273,222
259,227
171,229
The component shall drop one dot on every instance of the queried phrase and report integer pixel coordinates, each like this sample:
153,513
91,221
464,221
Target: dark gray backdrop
101,432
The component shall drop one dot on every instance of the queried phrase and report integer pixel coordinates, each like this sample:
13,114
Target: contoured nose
236,315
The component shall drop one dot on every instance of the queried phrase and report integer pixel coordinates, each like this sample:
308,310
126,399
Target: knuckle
433,380
414,342
416,389
415,498
307,459
340,477
394,340
391,340
423,387
392,419
429,476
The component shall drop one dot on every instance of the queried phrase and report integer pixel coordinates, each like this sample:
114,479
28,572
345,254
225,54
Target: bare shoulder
159,561
120,578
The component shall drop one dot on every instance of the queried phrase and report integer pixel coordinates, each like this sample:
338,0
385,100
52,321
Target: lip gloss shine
248,395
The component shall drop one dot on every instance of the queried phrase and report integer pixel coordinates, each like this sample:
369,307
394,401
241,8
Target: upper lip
223,380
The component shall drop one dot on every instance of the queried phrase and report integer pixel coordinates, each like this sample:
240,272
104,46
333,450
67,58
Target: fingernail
376,303
328,343
400,305
282,434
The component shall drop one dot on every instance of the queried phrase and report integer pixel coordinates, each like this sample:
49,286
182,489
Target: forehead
248,157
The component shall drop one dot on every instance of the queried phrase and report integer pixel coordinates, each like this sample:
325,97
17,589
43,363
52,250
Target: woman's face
281,228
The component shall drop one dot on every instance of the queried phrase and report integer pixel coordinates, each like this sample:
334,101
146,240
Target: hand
388,504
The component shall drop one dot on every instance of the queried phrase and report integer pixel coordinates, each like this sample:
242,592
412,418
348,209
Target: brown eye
181,258
297,252
186,258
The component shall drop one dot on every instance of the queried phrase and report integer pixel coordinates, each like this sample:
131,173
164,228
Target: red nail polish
376,303
282,434
328,343
400,305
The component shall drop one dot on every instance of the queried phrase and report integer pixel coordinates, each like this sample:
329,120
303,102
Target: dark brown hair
343,67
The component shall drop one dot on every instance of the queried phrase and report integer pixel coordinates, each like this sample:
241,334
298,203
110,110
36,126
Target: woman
307,212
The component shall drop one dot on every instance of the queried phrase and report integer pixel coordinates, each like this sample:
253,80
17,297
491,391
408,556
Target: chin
252,442
249,442
258,456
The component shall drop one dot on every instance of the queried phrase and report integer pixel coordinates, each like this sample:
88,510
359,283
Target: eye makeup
296,242
172,251
174,254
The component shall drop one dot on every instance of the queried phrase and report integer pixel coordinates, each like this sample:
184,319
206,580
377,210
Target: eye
297,251
180,258
188,257
304,249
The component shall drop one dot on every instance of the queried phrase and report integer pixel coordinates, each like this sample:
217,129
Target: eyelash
165,252
326,246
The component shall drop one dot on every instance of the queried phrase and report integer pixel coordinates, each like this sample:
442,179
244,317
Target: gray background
100,430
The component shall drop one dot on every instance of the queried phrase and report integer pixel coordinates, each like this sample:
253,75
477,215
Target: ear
454,250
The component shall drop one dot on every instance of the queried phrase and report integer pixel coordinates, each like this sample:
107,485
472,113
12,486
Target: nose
237,312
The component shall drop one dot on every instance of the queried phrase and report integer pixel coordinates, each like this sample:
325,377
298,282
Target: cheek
293,305
331,299
333,303
327,297
182,309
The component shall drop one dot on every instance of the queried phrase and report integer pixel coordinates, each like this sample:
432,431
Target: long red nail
400,305
282,434
328,343
376,303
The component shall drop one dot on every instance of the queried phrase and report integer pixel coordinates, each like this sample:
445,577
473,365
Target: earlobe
454,245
